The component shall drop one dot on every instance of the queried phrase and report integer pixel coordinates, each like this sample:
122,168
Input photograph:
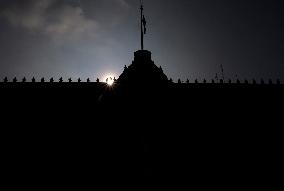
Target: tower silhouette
143,70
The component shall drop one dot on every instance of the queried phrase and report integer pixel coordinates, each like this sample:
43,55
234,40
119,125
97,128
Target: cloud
62,37
56,18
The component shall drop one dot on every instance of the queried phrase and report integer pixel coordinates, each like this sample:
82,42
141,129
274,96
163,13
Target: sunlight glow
110,82
109,79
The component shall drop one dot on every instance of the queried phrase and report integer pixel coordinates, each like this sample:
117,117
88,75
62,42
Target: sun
109,79
110,82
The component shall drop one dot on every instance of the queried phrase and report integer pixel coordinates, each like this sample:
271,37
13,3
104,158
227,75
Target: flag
144,24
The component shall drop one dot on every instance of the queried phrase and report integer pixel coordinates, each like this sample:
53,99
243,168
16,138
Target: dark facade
143,129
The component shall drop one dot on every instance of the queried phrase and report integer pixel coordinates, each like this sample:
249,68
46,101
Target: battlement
196,81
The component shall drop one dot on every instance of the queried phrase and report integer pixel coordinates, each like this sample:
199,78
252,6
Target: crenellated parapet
179,81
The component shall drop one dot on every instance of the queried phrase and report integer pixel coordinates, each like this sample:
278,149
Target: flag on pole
144,24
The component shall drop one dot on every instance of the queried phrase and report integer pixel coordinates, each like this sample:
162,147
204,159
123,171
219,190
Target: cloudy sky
188,38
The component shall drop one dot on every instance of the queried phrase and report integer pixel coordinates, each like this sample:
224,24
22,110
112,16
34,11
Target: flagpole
142,34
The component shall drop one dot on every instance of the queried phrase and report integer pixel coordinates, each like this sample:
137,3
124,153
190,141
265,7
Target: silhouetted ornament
161,69
51,80
230,81
270,82
216,78
246,82
125,69
69,80
88,80
33,80
60,80
254,82
42,80
221,81
24,80
262,82
278,82
196,81
171,80
238,81
79,80
5,80
187,81
179,81
98,80
204,81
213,81
15,80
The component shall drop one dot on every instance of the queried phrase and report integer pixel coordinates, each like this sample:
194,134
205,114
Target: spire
143,24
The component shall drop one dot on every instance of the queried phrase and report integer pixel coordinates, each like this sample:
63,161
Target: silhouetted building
187,131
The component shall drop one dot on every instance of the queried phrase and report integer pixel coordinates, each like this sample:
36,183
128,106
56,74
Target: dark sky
188,38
